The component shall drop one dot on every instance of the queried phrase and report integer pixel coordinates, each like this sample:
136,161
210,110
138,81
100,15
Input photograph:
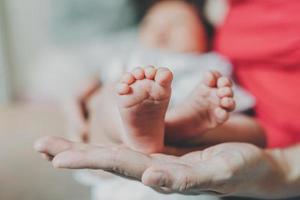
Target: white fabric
188,70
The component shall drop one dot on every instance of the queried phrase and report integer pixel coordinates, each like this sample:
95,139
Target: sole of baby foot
143,97
208,106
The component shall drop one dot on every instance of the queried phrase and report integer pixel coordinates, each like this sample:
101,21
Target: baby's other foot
208,106
143,96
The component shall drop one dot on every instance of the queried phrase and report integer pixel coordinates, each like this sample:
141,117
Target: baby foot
207,107
143,97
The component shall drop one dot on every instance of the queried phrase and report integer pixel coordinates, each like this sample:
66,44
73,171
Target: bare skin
102,106
76,110
181,31
141,124
143,98
229,169
173,26
207,107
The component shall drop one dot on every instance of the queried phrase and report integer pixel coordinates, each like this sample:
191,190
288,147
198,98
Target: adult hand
227,169
77,112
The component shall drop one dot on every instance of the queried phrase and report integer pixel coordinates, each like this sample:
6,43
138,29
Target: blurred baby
135,110
171,34
176,69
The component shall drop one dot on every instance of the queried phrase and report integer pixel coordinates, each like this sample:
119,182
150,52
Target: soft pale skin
173,26
229,169
196,119
178,22
143,97
138,111
237,169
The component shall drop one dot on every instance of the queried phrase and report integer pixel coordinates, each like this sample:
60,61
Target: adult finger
46,156
118,160
78,128
77,110
89,88
82,117
52,145
180,178
87,91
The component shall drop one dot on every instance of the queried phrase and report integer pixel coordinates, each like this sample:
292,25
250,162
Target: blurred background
46,48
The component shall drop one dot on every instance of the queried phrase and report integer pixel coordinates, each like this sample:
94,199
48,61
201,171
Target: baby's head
173,25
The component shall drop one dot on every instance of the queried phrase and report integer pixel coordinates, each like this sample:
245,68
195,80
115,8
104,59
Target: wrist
279,176
288,161
266,175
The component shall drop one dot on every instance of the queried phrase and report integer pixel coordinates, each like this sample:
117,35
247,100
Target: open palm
225,169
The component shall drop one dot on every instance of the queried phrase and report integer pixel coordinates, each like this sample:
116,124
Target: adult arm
238,128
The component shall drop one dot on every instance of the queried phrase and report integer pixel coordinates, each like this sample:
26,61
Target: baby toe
228,103
224,82
164,77
216,74
221,115
138,73
127,78
150,72
210,79
122,88
225,92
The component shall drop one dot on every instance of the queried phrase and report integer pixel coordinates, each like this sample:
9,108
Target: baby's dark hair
142,6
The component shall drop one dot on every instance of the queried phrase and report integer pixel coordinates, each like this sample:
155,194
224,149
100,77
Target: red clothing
262,39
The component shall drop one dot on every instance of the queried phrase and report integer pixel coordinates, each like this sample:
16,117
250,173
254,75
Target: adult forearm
239,128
